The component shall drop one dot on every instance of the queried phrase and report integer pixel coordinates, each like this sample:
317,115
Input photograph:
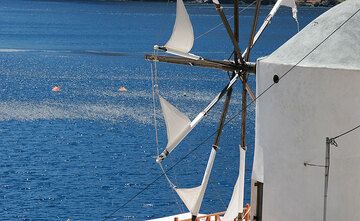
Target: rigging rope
155,93
153,89
231,119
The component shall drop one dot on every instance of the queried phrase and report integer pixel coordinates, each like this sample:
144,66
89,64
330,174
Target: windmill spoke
244,110
230,33
222,118
247,87
253,30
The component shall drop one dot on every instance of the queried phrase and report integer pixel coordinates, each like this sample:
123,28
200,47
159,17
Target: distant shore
311,3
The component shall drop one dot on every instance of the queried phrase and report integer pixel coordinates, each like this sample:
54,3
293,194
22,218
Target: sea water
83,152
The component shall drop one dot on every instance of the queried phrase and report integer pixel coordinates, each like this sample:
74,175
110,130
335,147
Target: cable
155,93
232,118
349,131
220,24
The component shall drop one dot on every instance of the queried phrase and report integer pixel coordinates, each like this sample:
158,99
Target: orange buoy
122,89
56,89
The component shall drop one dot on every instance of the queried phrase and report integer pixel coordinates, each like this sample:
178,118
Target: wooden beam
236,26
253,29
230,33
221,65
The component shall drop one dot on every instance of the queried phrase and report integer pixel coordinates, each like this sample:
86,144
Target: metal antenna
326,183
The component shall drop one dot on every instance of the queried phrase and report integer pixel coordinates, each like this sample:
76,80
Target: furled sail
182,37
288,3
236,203
193,197
292,5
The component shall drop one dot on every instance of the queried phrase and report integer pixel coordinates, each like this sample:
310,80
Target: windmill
179,125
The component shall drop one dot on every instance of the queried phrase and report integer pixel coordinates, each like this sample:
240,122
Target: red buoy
56,89
122,89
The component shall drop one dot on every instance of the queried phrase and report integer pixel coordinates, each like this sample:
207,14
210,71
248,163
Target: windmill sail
182,37
178,124
236,203
193,197
288,3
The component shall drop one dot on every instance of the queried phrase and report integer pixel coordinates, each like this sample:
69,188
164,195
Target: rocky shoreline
319,2
326,3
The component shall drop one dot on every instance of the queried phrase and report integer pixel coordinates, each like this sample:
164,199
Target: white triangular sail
182,37
177,124
236,204
193,197
288,3
190,197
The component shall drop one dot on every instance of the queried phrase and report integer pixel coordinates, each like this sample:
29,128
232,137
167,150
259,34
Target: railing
216,216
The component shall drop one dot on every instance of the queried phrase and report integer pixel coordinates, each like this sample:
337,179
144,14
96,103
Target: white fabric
288,3
292,5
190,197
182,38
318,98
182,54
236,204
193,197
182,216
216,2
177,124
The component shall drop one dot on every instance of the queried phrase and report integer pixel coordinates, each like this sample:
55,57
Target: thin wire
220,24
218,195
349,131
262,93
155,93
153,85
232,118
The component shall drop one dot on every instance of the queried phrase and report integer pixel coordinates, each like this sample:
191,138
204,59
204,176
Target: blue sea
83,152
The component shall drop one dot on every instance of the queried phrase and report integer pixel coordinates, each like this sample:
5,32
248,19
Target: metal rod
327,169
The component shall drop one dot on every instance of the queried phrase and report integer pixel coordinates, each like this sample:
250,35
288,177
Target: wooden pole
222,118
253,29
222,65
236,27
230,33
